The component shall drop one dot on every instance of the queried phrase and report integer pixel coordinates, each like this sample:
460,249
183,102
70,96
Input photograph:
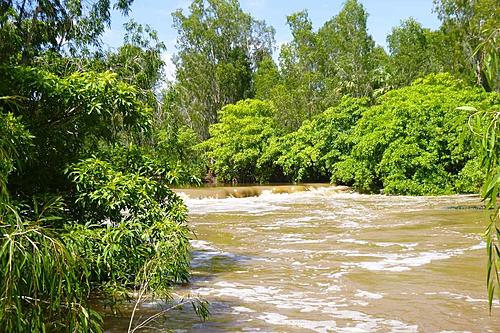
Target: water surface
326,260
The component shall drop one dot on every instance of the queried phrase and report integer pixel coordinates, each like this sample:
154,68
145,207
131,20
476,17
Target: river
329,260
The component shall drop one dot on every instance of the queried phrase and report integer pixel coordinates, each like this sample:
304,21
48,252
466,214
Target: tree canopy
219,47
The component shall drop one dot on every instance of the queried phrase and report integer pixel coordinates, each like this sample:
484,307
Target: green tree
138,61
33,26
348,51
472,28
266,78
238,141
414,141
318,68
410,52
219,48
67,116
69,219
309,153
298,96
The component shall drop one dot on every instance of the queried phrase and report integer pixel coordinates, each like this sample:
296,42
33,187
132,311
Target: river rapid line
329,260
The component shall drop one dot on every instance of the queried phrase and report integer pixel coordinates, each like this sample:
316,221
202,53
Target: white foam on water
202,245
322,326
408,246
205,251
367,323
298,239
467,298
480,246
282,251
305,303
225,284
297,263
337,275
288,299
397,262
290,223
333,288
302,219
250,294
394,263
367,294
352,241
350,225
241,309
401,327
339,205
250,206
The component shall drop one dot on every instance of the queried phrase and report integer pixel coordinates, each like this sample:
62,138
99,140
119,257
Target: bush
238,141
110,229
415,141
118,212
44,287
15,146
121,228
308,153
158,162
67,116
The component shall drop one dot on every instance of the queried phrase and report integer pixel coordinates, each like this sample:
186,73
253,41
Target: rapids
322,259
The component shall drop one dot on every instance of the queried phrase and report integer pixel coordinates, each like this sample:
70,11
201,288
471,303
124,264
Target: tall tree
138,61
473,28
318,68
298,97
266,77
348,50
409,49
34,25
219,46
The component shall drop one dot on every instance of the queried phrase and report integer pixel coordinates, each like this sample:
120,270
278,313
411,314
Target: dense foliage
52,124
118,211
415,141
68,114
44,284
239,140
86,160
411,140
310,152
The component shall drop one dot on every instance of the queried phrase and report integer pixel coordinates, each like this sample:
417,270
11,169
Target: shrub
308,153
44,286
415,141
131,229
239,140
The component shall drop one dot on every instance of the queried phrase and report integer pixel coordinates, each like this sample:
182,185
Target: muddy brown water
323,259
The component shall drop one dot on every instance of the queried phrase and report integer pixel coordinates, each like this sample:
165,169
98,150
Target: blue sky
383,15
